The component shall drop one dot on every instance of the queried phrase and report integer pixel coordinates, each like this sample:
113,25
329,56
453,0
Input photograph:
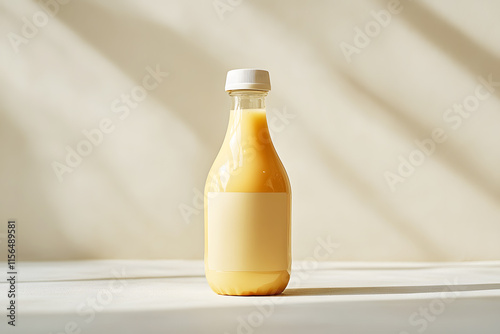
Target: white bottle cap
248,78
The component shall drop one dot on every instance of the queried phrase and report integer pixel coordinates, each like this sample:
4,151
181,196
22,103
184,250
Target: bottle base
248,283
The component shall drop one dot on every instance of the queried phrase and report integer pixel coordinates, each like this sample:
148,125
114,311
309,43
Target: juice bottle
247,199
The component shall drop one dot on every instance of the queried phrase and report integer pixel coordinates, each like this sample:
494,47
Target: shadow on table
388,289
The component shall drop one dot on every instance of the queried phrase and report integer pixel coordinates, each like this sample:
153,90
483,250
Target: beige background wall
341,125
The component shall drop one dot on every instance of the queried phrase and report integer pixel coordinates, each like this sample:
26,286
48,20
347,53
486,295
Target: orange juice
247,201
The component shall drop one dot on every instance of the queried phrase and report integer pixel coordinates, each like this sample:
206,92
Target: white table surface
335,297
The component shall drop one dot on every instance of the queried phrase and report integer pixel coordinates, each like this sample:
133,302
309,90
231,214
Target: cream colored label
248,231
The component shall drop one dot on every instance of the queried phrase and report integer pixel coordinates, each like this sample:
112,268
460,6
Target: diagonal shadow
21,178
463,166
144,36
372,199
363,190
457,45
132,43
453,158
387,290
129,41
127,199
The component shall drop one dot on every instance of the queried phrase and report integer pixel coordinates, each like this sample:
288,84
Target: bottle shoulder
247,160
248,170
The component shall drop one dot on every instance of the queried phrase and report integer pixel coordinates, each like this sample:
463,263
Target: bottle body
247,207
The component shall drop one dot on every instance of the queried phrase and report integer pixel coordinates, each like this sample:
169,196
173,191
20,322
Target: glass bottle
247,199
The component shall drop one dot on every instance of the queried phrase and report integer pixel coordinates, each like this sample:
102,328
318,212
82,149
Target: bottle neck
248,99
247,121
